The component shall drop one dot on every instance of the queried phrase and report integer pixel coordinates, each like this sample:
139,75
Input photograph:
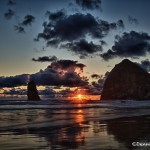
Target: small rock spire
32,92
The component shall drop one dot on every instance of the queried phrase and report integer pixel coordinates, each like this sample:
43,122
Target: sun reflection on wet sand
79,116
68,129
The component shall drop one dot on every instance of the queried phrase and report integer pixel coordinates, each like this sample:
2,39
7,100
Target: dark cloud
98,85
95,76
102,42
83,48
145,64
67,65
9,14
89,4
13,81
61,66
61,73
120,24
51,77
132,20
53,43
55,16
19,28
47,91
58,73
15,91
28,20
11,2
72,79
70,28
45,59
65,93
133,44
75,27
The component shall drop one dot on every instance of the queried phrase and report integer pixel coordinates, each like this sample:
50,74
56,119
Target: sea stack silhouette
32,92
127,80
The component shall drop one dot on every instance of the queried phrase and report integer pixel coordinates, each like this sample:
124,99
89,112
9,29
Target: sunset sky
70,43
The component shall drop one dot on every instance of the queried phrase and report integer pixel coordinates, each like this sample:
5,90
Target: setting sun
79,96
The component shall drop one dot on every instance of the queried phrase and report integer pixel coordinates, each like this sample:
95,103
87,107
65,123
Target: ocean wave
15,105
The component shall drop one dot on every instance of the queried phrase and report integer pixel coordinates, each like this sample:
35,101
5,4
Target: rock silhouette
127,80
32,92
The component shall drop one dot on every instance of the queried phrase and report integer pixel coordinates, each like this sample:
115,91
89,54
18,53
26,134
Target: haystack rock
32,92
127,80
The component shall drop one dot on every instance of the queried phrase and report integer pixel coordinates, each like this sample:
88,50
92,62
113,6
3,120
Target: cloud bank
83,48
58,73
70,32
45,59
132,44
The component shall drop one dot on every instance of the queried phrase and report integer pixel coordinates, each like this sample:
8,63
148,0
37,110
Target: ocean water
63,125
